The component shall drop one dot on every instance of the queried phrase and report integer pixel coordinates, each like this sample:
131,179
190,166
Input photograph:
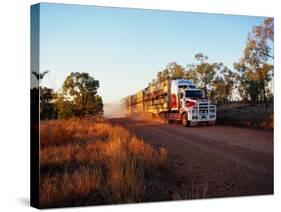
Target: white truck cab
192,104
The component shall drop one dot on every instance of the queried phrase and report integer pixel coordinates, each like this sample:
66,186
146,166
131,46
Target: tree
253,82
97,107
229,80
190,73
47,106
172,71
166,74
40,76
203,72
223,85
217,94
159,77
64,107
264,36
255,67
175,70
80,89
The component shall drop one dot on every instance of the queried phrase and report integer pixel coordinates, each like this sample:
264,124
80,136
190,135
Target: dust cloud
114,110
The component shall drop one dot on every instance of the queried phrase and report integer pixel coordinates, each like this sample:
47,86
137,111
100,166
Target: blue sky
125,48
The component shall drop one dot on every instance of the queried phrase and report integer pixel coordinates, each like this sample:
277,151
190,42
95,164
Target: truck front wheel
211,122
185,121
166,119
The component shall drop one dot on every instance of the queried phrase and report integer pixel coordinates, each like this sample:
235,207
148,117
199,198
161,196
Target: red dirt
212,161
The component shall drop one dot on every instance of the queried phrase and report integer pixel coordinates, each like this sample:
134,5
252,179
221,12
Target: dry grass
254,116
90,161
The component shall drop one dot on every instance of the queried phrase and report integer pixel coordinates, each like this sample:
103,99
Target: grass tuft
89,161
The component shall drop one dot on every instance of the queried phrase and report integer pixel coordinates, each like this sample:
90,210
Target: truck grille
204,109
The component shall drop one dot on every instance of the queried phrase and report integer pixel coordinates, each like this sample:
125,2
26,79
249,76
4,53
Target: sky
125,48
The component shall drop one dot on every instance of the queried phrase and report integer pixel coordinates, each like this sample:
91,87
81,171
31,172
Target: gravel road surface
212,161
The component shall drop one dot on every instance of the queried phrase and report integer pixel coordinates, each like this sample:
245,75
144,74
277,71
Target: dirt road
212,161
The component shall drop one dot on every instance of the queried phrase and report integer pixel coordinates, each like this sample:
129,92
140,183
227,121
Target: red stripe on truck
174,101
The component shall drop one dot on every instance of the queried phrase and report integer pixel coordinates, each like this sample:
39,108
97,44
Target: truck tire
166,119
185,121
210,123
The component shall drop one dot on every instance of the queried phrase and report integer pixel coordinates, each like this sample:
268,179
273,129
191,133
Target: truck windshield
194,94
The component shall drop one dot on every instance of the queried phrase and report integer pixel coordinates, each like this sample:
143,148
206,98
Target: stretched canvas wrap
138,105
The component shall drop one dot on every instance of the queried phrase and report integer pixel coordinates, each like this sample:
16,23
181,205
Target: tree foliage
40,76
175,70
64,107
255,66
172,71
81,89
202,73
78,97
263,37
47,105
223,85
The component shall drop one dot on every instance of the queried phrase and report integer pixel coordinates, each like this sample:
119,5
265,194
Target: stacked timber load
137,102
128,104
134,103
153,99
156,97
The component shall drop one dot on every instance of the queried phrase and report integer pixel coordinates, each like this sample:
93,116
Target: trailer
173,99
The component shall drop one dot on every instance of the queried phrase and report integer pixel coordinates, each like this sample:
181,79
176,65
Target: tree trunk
264,93
205,91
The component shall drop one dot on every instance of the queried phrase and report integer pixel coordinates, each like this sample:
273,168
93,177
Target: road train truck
173,99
